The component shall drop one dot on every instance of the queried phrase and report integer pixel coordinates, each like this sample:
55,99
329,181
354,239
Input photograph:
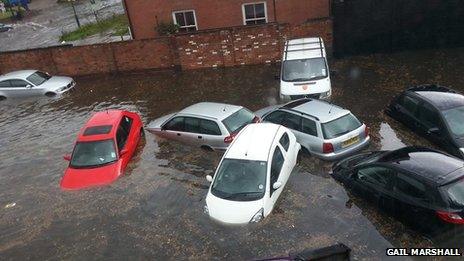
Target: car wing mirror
67,157
434,130
277,185
209,178
29,86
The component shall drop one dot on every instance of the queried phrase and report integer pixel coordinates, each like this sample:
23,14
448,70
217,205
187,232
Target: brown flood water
156,210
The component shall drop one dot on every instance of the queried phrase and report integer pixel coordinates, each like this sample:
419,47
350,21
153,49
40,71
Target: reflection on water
157,210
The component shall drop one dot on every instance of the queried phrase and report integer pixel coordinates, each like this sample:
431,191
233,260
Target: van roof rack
304,49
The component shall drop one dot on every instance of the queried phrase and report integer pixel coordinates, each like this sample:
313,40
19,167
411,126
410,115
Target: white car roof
253,142
218,111
23,74
304,48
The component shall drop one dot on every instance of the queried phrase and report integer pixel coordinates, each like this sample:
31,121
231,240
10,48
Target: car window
176,124
209,127
238,120
18,83
291,121
410,104
126,123
309,127
340,126
5,84
276,166
429,116
121,137
275,117
285,141
377,176
192,125
411,188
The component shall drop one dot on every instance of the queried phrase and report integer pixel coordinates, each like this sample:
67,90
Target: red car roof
104,118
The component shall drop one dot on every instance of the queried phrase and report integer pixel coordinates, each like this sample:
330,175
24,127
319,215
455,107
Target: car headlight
206,210
325,94
61,89
258,216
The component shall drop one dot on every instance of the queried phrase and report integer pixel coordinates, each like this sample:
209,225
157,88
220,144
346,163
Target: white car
305,71
252,174
33,82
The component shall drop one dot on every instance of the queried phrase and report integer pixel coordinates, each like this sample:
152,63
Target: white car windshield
455,119
240,180
304,70
38,78
93,154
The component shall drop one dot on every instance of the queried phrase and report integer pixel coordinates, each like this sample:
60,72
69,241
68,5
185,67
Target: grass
117,23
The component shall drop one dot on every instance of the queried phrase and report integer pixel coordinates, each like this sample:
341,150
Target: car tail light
230,138
450,217
366,131
327,148
256,119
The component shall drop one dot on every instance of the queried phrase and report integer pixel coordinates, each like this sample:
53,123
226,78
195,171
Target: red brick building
191,15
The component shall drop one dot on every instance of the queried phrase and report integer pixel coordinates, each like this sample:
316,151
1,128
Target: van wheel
206,148
2,98
50,94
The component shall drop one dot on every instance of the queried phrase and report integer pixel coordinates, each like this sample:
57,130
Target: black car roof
441,97
433,166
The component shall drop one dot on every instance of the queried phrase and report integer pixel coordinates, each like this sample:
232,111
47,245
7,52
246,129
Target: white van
305,71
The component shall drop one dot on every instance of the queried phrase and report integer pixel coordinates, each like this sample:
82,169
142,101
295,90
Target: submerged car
252,174
434,112
32,82
103,149
5,28
209,125
424,187
323,129
305,71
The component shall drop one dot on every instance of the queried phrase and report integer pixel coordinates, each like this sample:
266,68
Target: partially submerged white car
33,82
252,174
305,71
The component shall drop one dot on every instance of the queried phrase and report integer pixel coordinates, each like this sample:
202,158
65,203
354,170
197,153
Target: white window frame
254,19
185,11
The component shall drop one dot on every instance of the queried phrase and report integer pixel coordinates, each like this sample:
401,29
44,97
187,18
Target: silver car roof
218,111
321,110
23,74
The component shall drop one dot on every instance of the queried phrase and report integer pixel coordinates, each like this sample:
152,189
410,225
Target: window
97,130
126,124
176,124
411,187
276,166
18,83
121,137
209,127
192,125
93,154
238,120
5,84
429,116
285,141
340,126
378,176
410,104
275,117
38,78
309,127
186,20
254,13
286,119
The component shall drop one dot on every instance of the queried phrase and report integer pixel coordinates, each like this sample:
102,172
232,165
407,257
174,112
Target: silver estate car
32,82
323,129
209,125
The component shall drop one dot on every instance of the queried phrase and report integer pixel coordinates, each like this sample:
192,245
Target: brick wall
204,49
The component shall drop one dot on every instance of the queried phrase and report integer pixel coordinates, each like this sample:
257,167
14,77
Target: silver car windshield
238,120
304,70
340,126
455,119
93,154
38,78
240,180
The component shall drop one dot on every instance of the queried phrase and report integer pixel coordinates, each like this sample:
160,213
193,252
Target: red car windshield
93,154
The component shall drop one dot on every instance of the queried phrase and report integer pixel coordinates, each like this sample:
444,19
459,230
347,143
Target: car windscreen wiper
242,194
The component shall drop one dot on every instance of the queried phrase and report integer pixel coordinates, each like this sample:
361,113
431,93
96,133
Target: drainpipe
131,29
275,11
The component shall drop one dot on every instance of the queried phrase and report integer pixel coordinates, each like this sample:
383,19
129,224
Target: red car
103,149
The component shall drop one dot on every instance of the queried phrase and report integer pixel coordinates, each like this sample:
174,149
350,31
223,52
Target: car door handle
200,137
178,134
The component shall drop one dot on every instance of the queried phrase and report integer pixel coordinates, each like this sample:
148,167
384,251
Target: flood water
156,210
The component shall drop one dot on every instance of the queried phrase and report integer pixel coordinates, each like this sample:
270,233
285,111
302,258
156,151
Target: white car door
278,172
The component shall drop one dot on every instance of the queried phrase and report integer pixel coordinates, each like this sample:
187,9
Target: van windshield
340,126
240,180
304,69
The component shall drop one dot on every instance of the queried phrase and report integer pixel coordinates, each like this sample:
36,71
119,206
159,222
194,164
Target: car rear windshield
238,120
455,193
304,70
38,78
240,180
340,126
93,154
455,119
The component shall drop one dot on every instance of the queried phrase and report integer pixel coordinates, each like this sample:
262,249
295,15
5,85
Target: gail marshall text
423,252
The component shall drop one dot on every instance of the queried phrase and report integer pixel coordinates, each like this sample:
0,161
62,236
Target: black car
421,186
435,112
